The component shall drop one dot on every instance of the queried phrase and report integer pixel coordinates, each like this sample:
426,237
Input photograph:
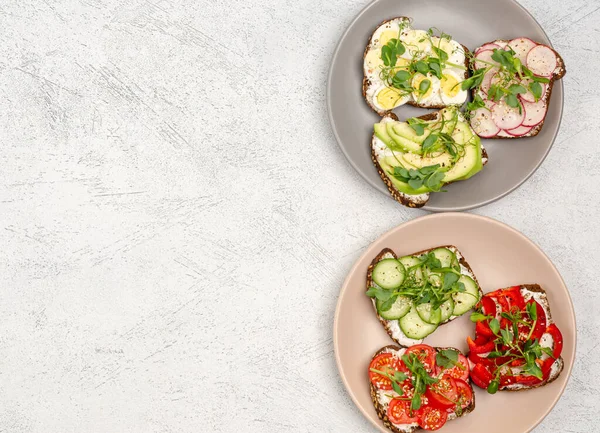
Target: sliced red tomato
458,371
430,418
483,329
399,412
443,394
558,339
481,376
479,349
465,393
425,353
386,363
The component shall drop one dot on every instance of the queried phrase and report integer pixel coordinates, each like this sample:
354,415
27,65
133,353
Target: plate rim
427,207
405,224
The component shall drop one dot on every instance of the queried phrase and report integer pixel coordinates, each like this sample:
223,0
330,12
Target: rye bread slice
560,364
381,408
412,201
559,72
367,81
387,324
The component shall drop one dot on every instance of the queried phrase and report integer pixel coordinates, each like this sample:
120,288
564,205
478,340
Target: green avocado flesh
399,185
407,149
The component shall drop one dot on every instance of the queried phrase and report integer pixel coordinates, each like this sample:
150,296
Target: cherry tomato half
399,412
425,353
386,363
443,394
458,371
430,418
465,393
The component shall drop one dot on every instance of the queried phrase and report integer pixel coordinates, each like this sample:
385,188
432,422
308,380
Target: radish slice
522,47
483,124
529,96
519,131
542,61
535,112
489,104
487,80
485,55
507,117
487,47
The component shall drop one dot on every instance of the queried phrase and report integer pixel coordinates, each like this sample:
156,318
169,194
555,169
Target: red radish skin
507,117
541,60
487,80
528,97
489,104
485,55
535,112
483,124
487,47
520,131
522,47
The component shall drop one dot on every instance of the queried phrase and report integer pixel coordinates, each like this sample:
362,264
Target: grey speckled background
176,218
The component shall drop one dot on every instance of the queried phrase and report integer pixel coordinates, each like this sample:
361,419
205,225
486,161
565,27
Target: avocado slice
405,130
418,161
381,133
399,185
404,143
465,165
479,165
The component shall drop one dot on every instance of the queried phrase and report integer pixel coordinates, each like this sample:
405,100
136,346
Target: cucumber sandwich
414,294
421,155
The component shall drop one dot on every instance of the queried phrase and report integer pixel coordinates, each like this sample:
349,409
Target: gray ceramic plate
470,22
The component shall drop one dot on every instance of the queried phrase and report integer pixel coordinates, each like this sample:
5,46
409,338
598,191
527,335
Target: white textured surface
176,218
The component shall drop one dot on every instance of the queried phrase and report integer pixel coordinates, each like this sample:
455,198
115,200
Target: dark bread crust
406,199
367,82
385,251
556,76
381,411
561,363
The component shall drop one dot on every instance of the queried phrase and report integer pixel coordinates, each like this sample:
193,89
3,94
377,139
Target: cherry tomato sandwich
420,387
517,345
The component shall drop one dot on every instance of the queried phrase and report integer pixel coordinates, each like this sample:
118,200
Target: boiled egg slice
387,98
450,88
455,51
417,42
431,94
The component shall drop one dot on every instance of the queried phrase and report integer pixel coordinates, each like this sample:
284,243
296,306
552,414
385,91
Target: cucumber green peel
426,282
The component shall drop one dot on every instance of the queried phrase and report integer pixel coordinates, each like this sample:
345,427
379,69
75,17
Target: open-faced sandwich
420,387
512,83
406,66
517,345
421,155
413,295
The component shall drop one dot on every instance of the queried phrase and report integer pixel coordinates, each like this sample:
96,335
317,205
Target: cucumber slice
389,274
398,310
410,261
464,301
446,257
447,309
429,314
414,327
